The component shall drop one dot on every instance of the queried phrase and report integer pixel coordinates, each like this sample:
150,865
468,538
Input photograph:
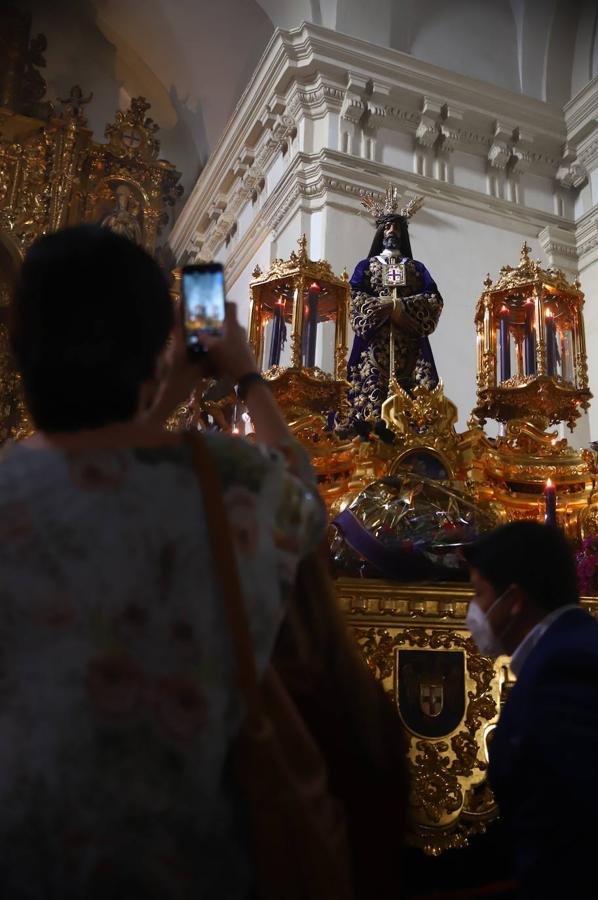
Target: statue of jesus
395,305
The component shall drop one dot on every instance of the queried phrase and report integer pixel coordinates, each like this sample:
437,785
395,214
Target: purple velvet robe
369,363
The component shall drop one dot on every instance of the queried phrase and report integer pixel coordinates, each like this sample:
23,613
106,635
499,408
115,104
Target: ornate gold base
414,639
305,392
544,400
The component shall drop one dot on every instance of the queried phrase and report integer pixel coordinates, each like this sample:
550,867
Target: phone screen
202,290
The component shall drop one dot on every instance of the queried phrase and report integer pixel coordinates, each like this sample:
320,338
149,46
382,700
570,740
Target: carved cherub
73,105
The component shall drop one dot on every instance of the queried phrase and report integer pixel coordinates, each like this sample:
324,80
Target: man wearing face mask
544,751
391,318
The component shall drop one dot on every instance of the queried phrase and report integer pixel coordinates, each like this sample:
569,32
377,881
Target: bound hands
397,313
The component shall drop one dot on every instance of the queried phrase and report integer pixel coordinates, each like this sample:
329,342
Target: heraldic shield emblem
430,690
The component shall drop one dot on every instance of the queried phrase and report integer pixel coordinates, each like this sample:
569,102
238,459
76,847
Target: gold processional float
532,374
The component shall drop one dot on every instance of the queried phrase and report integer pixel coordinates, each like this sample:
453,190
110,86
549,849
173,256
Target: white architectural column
581,115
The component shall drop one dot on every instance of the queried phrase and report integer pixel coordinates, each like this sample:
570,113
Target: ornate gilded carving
285,292
448,771
451,799
14,421
305,392
539,309
22,87
53,174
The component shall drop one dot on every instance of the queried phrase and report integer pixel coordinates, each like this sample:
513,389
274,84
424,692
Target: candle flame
549,313
504,309
314,286
553,441
280,301
235,430
549,483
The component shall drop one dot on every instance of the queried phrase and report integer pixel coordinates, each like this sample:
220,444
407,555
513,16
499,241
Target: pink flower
587,568
241,508
116,684
180,707
97,473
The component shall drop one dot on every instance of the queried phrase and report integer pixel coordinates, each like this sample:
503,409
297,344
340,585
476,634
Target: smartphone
202,294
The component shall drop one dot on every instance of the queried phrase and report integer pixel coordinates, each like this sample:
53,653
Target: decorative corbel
500,149
449,128
354,103
427,131
520,159
571,174
216,210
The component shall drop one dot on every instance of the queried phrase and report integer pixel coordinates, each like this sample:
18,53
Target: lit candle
530,339
505,345
278,333
550,343
313,297
550,503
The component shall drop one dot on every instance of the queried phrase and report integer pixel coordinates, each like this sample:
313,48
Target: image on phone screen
203,299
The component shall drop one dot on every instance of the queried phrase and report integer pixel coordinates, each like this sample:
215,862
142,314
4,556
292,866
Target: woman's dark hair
536,557
91,313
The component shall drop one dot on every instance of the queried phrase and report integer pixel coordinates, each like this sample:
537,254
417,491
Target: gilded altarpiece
53,173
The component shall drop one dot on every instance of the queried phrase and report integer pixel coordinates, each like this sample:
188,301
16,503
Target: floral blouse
117,695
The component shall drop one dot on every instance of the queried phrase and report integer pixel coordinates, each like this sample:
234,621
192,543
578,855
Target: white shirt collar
530,640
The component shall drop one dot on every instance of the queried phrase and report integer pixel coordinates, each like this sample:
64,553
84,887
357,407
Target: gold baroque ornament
53,174
298,298
415,642
531,321
14,419
305,392
451,798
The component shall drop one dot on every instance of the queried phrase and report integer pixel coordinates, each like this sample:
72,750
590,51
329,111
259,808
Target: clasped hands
398,315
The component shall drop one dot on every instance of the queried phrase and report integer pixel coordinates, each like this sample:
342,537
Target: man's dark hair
90,315
536,557
404,242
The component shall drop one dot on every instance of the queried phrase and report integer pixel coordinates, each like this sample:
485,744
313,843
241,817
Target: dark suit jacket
544,762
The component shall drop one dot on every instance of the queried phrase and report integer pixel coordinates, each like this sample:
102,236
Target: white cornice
587,238
311,72
333,179
581,113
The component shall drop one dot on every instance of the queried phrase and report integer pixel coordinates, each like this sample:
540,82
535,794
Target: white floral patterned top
117,697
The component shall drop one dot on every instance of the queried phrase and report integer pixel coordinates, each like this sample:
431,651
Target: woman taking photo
119,704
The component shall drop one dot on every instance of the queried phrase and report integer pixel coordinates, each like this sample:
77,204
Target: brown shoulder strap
226,573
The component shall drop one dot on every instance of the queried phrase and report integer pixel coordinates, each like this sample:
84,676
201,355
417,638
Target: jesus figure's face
391,238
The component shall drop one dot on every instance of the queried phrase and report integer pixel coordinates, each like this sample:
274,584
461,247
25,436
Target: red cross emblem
395,274
131,138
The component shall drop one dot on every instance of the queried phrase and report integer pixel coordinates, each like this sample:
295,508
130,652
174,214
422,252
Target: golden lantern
531,347
298,330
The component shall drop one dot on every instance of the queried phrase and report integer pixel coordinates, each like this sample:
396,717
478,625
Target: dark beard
391,242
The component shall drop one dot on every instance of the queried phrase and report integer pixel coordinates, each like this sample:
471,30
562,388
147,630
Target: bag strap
226,573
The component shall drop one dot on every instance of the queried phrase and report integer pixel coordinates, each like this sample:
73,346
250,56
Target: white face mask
487,642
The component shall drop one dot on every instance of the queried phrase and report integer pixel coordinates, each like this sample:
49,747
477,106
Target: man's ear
519,597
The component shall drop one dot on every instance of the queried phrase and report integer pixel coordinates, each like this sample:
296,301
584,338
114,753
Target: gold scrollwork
448,773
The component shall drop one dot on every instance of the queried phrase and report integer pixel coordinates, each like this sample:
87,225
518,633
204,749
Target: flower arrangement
587,566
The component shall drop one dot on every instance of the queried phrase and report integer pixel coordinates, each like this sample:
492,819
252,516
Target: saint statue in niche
123,218
395,305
